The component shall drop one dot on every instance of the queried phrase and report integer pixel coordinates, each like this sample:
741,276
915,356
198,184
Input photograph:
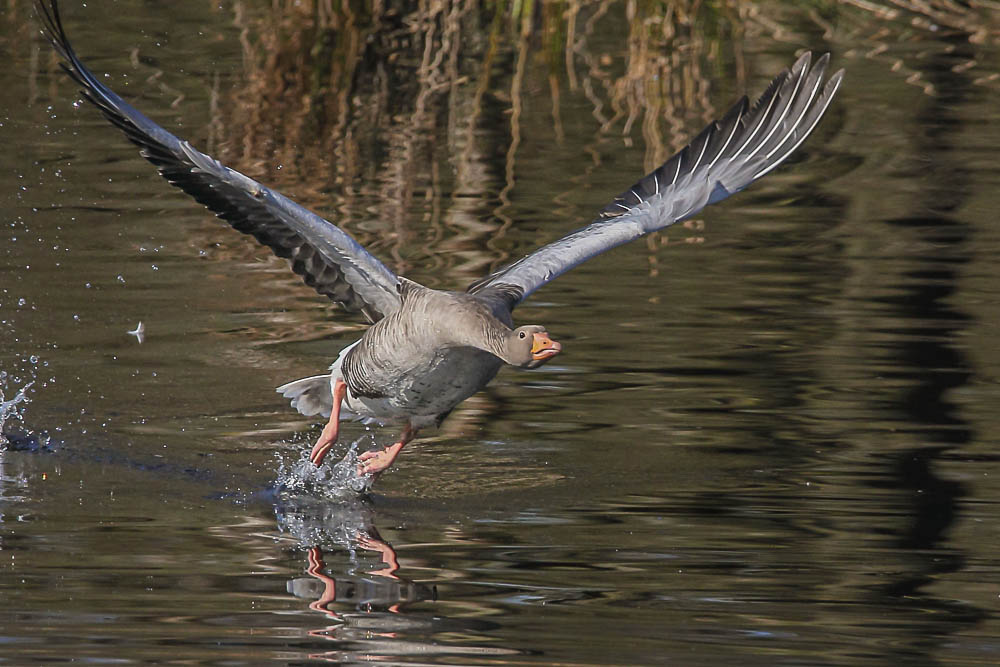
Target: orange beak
543,348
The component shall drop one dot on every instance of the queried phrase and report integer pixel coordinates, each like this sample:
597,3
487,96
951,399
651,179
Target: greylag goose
428,350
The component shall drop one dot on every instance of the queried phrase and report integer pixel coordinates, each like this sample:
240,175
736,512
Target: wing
727,156
327,258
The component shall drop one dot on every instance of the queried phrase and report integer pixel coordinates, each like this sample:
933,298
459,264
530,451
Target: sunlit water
770,438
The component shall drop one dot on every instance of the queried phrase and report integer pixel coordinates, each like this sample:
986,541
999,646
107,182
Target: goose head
529,346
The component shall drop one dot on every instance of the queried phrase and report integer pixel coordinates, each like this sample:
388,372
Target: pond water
771,437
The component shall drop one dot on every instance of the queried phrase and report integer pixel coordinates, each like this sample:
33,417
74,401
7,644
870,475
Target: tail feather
310,396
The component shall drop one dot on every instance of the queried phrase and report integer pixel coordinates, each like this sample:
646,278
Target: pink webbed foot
373,463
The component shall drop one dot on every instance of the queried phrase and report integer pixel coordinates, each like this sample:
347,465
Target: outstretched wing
326,256
727,156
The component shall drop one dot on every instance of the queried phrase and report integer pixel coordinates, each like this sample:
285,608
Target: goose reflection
375,595
367,602
349,527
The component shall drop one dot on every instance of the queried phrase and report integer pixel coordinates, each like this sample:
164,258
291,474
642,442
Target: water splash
8,408
330,481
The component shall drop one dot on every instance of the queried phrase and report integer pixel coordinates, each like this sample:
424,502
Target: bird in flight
427,350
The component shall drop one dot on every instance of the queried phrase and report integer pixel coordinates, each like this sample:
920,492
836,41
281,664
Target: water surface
769,439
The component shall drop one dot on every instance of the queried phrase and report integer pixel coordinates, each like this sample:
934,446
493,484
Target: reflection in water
914,22
818,478
359,96
927,358
366,605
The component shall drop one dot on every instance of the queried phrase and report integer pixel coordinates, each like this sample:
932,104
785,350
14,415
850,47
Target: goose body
416,364
408,366
428,350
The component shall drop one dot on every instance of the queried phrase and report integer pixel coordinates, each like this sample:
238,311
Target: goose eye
521,334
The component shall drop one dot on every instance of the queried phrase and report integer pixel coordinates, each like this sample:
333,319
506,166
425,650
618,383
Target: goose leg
329,436
375,462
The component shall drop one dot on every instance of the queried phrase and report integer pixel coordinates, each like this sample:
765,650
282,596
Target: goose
427,350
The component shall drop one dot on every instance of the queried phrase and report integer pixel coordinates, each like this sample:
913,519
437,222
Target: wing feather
724,158
327,257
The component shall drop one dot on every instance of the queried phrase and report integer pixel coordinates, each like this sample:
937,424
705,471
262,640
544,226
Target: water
9,409
334,481
770,437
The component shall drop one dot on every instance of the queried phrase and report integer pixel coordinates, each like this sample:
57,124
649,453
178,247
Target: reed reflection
409,124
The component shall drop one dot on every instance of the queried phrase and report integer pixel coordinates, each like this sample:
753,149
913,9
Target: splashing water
9,408
336,481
